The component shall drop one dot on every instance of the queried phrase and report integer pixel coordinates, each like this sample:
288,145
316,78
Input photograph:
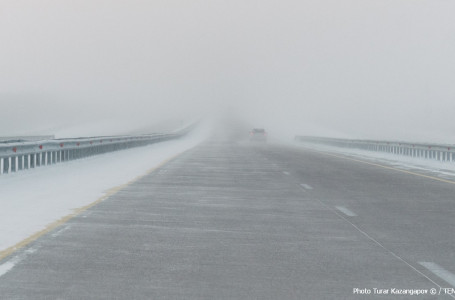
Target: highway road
240,220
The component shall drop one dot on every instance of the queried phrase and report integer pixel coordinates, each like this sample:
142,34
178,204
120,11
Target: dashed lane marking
346,211
306,186
440,272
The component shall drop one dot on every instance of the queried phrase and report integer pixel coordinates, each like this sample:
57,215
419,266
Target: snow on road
33,199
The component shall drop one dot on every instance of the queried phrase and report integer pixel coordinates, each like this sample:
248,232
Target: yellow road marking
386,167
8,251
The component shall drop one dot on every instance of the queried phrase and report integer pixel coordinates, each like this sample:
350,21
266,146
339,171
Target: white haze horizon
377,69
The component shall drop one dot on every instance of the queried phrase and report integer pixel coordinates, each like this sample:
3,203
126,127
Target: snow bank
436,168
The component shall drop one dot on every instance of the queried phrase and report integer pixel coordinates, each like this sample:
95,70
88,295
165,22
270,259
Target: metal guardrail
25,138
18,156
444,153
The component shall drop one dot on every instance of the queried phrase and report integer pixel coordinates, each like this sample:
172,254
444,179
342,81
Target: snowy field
34,199
435,168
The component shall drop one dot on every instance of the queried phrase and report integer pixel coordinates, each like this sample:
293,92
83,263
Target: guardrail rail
18,156
439,152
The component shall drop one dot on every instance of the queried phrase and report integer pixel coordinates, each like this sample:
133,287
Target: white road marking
381,245
306,186
4,268
7,266
286,173
440,272
60,231
346,211
30,251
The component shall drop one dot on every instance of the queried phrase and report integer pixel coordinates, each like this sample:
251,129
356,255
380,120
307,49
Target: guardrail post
38,160
13,164
21,162
26,161
32,160
6,165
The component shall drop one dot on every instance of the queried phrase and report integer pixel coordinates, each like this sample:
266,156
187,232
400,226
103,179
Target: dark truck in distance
258,134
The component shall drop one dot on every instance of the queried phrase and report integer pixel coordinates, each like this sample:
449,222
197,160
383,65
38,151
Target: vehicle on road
258,134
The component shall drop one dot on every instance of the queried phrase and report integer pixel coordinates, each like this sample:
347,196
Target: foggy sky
360,69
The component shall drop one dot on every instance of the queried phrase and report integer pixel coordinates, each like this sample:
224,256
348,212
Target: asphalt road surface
240,220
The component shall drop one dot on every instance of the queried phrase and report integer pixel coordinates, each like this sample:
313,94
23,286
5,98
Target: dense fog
380,69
